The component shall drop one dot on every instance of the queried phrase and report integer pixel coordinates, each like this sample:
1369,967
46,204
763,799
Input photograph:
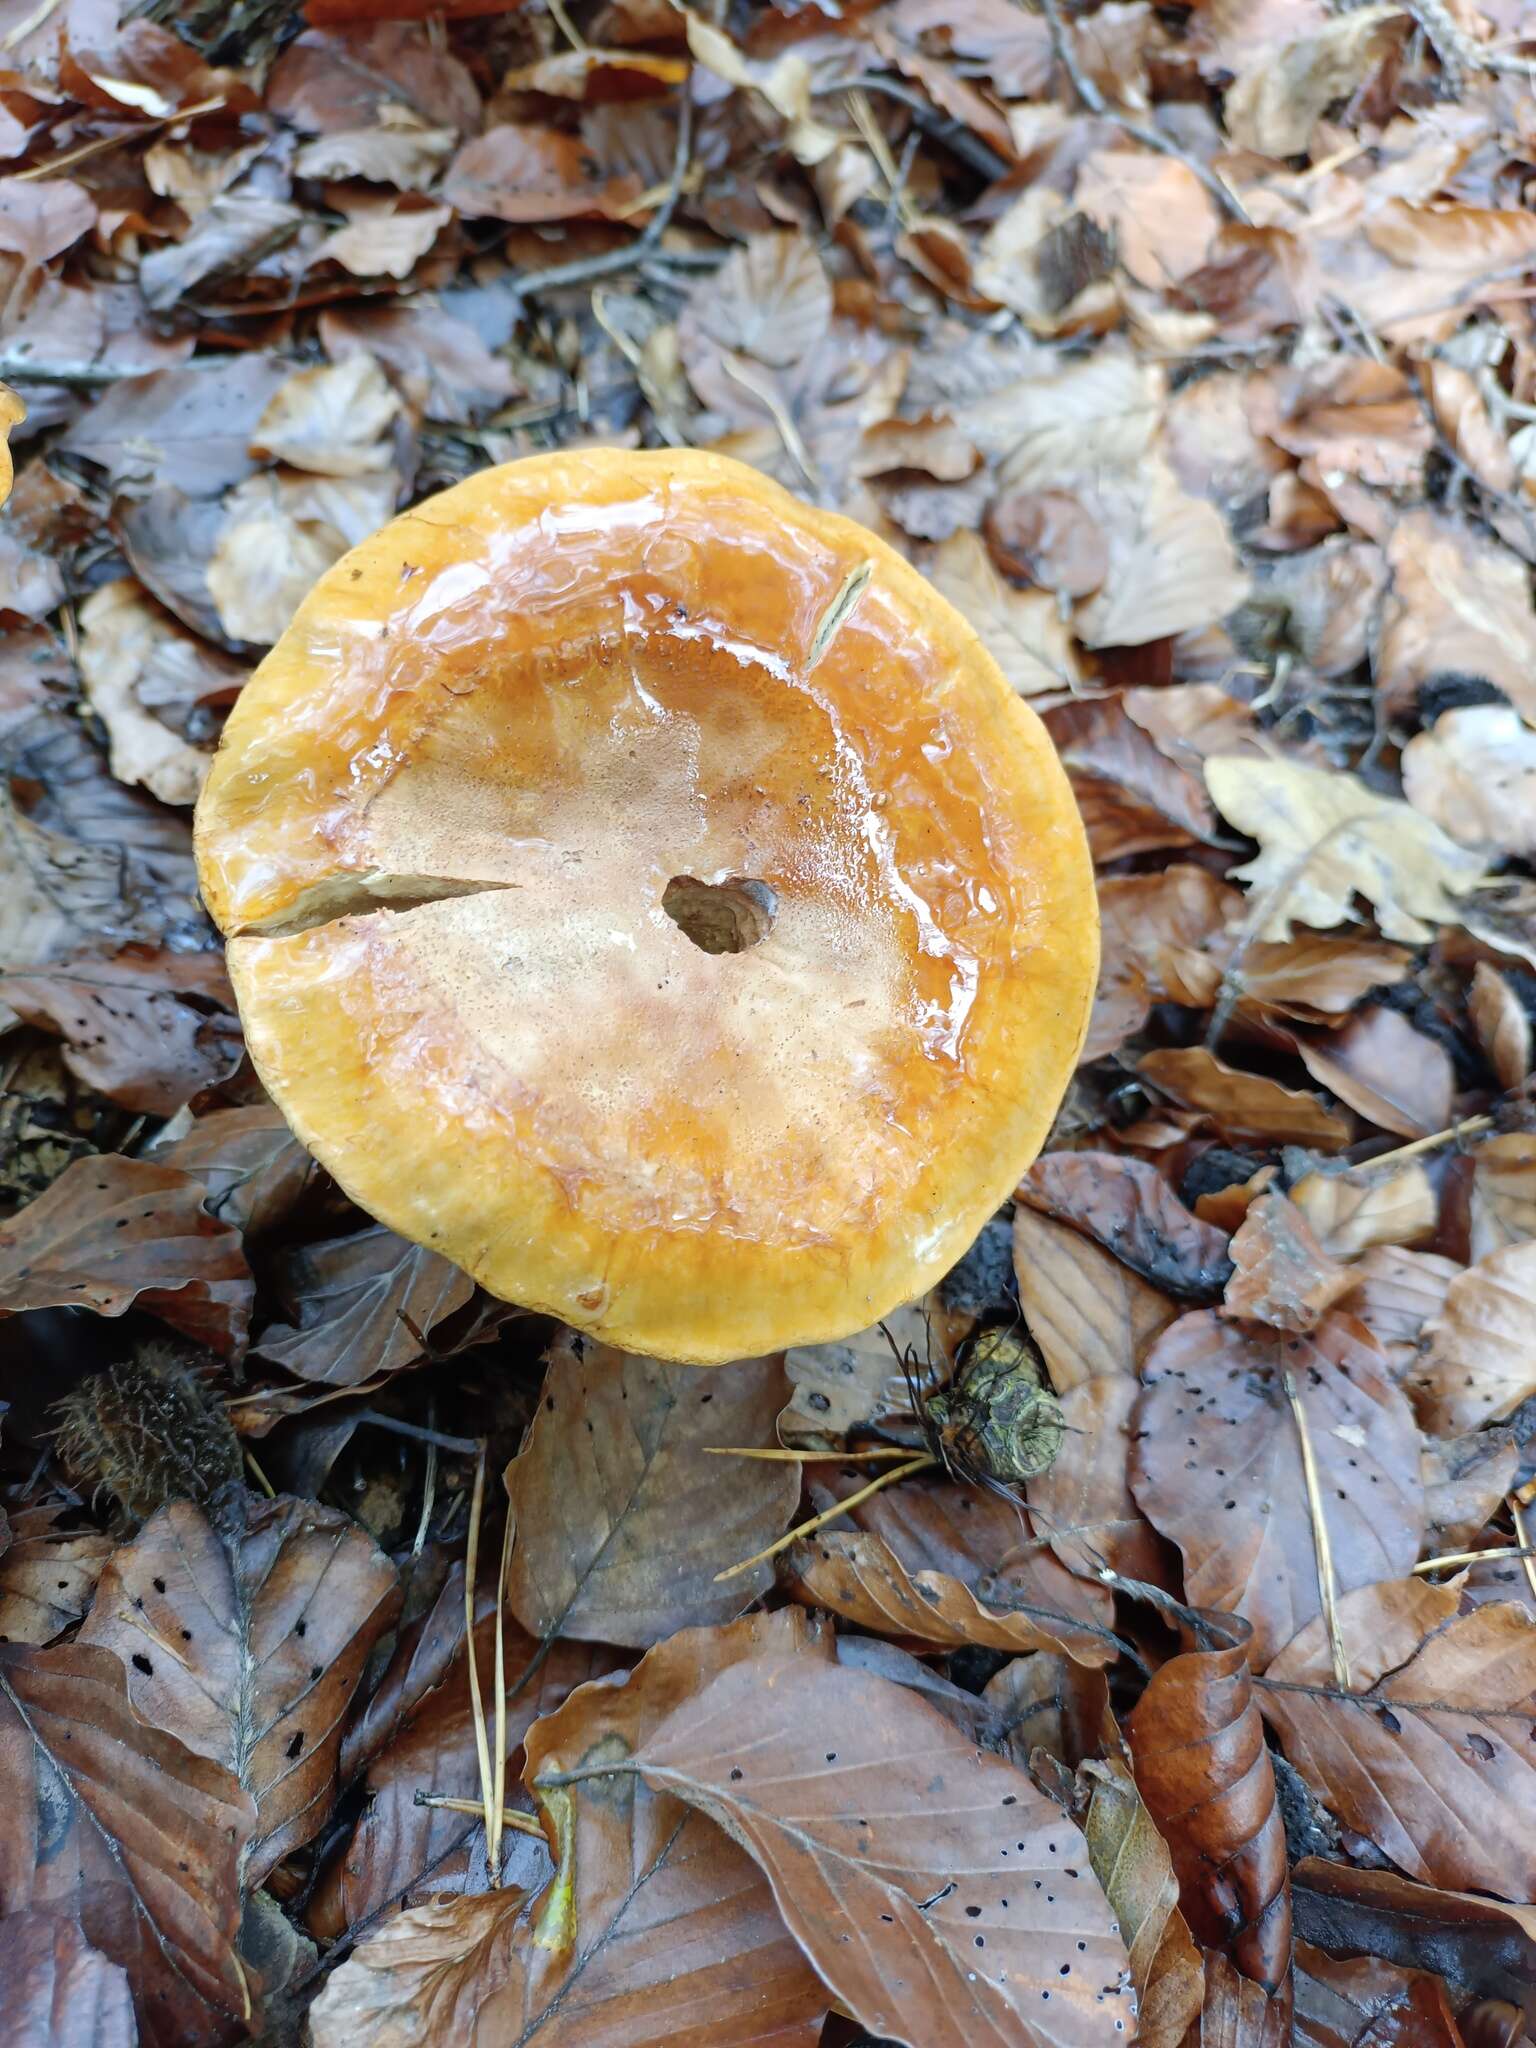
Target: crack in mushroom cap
440,834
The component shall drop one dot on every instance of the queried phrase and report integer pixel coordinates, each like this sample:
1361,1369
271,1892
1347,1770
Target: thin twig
1527,1557
1468,1127
918,1464
477,1705
100,143
428,1489
261,1478
880,1453
499,1805
1095,102
938,126
520,1823
1326,1585
466,1446
1461,1557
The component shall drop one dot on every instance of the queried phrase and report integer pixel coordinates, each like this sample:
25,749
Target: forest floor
1191,354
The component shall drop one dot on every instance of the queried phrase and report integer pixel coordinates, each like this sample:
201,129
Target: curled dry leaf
253,1168
1314,976
363,1305
148,1029
1022,630
623,1516
1130,1859
1128,1206
1351,1211
331,420
656,1928
115,1825
56,1991
1239,2013
1324,837
122,636
948,1565
46,1580
1218,1466
1474,774
1283,1277
1504,1027
1396,1077
1428,1756
112,1234
1197,1746
250,1655
1476,1943
1091,1316
1245,1105
1479,1359
1161,940
1284,88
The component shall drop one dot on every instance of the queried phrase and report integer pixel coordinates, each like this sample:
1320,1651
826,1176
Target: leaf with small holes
1218,1466
46,1580
118,1826
56,1991
1197,1747
655,1932
1128,1206
1431,1755
623,1515
250,1659
113,1234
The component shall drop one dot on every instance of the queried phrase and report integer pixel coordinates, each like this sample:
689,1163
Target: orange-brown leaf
1128,1206
1245,1105
1091,1316
1284,1277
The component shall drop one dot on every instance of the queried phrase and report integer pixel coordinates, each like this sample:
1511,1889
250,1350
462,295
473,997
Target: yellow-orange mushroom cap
519,744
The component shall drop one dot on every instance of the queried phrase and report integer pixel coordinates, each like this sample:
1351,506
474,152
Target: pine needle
918,1464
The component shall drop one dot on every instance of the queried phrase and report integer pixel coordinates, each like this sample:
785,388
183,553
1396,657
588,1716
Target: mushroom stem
918,1464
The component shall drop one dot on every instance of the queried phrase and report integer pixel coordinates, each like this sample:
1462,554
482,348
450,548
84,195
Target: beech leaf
56,1991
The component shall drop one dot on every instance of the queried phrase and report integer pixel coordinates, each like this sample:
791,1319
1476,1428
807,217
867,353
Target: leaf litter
1190,353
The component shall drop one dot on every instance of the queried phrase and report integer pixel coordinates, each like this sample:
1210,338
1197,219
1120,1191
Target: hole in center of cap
721,917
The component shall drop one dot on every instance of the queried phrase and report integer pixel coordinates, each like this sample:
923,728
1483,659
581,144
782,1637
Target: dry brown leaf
836,1387
1462,416
440,362
622,1515
1355,417
1084,1502
1284,1277
1022,630
113,1233
123,633
1217,1466
331,420
1161,940
280,534
1324,837
1351,1211
1161,216
1197,1747
1314,976
1393,1076
656,1928
1280,93
1428,1756
1459,604
1503,1206
771,300
974,1892
119,1828
1131,1861
1245,1105
56,1991
1048,539
1479,1359
1172,565
1148,796
1092,1317
46,1579
528,174
1013,50
253,1168
1474,774
1344,2000
1128,1206
1432,263
361,1305
1395,1293
148,1029
939,1563
384,240
1466,1480
1503,1025
250,1655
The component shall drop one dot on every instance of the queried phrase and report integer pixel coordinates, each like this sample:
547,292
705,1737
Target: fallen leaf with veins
362,1305
1503,1026
331,420
1427,1756
1323,837
1248,1105
1459,603
1022,630
1479,1360
1394,1076
1474,774
1351,1211
1503,1203
1091,1316
1128,1206
1131,1861
56,1991
1217,1466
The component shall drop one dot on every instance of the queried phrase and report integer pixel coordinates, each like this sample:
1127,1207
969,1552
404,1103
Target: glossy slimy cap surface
509,754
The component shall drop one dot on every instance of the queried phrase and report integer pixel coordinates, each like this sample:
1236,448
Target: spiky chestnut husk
997,1419
148,1431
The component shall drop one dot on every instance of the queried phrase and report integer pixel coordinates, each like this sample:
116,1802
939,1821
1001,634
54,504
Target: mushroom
12,413
644,889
